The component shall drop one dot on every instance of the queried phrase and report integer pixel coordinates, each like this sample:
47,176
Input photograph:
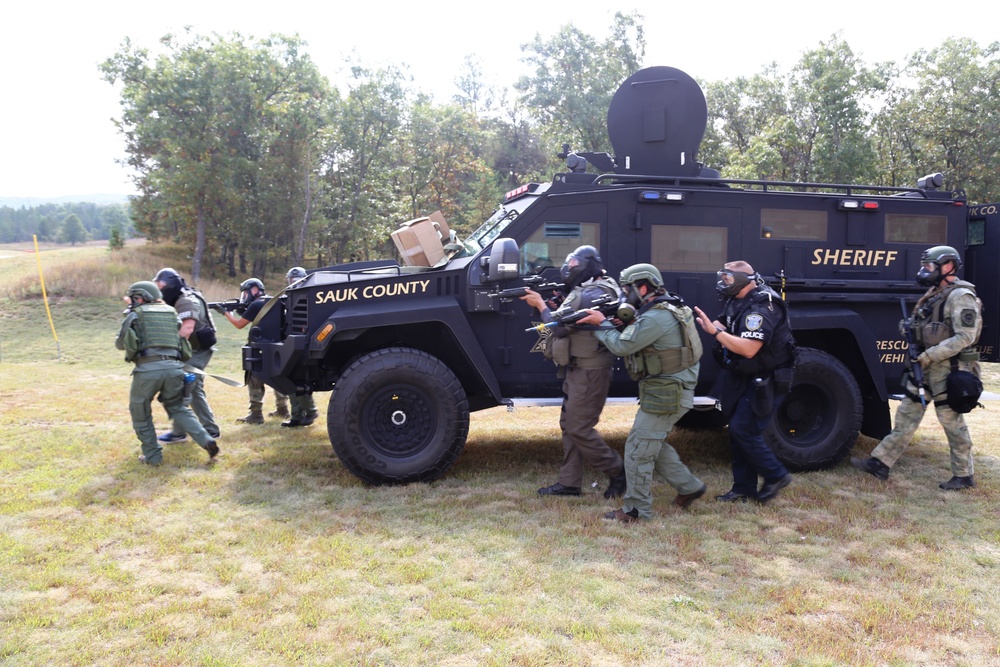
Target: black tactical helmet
295,273
172,283
580,266
145,289
935,257
252,282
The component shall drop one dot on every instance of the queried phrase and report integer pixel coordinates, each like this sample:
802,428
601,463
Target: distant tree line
65,223
244,151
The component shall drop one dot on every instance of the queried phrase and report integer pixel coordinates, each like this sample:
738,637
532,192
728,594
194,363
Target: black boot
616,486
872,466
958,483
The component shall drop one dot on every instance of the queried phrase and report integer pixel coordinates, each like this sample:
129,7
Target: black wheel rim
806,415
399,420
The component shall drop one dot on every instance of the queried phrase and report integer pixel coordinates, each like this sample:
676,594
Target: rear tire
396,416
818,422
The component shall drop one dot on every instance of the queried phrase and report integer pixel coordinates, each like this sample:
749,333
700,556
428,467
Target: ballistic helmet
638,272
295,273
252,282
172,283
146,290
931,261
580,266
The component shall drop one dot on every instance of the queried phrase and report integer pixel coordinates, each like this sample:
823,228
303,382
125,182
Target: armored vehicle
409,352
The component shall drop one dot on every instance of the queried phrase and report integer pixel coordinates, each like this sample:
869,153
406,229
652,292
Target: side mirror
503,261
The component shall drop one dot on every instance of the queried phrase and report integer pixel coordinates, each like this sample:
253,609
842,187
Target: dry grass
277,556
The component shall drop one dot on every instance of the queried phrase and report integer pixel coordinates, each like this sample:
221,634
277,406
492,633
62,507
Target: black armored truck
408,352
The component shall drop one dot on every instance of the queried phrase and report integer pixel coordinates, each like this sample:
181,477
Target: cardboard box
419,242
438,217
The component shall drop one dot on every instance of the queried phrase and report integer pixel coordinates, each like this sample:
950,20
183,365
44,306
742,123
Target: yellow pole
45,297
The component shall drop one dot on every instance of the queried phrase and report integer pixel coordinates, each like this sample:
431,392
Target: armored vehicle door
982,250
544,244
689,244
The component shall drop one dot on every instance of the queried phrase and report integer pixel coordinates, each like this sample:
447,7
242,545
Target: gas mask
731,282
929,274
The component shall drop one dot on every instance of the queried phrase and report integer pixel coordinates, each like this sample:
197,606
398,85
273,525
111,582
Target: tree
575,76
116,241
949,119
208,126
72,230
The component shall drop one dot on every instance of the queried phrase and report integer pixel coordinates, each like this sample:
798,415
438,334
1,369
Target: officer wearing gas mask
755,348
198,327
945,327
252,299
149,336
662,350
585,366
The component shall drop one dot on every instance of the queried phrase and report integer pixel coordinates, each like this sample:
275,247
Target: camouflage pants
908,417
302,406
647,451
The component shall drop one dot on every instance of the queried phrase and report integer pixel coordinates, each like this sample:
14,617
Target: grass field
276,555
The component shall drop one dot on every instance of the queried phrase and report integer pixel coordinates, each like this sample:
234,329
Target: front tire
818,422
396,416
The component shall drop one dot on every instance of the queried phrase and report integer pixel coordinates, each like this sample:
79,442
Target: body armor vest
930,326
778,352
156,326
585,350
651,361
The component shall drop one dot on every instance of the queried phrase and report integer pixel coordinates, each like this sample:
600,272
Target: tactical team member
304,410
662,350
150,337
585,366
198,328
946,324
252,299
753,341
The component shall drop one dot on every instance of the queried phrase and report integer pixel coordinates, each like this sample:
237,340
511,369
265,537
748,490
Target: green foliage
116,241
249,158
72,230
45,221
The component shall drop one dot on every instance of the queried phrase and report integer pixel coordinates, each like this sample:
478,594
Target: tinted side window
779,223
927,230
688,248
549,244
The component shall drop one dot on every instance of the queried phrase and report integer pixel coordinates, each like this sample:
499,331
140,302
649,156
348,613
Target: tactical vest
650,361
204,335
779,352
930,326
585,350
156,326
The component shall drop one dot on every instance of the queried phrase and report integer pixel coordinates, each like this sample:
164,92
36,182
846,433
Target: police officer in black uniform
753,340
252,299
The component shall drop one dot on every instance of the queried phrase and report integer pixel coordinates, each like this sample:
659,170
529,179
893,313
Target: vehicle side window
550,243
923,229
779,223
688,248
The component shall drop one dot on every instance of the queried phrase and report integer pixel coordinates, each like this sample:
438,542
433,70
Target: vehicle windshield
498,222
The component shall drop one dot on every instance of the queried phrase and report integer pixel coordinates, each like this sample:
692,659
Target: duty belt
146,358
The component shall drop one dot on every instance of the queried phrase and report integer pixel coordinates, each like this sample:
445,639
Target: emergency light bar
662,197
855,205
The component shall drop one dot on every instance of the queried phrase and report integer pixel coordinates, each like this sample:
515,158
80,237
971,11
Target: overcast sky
56,136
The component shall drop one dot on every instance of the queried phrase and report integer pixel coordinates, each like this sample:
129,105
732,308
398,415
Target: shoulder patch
968,317
753,322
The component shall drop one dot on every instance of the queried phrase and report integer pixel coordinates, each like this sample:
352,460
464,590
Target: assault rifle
228,305
606,303
536,283
915,368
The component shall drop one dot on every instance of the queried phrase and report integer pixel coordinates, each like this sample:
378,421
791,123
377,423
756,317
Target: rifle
228,305
536,283
606,303
915,368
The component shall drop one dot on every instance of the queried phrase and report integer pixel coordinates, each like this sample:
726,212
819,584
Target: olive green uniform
664,398
151,340
190,306
946,321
